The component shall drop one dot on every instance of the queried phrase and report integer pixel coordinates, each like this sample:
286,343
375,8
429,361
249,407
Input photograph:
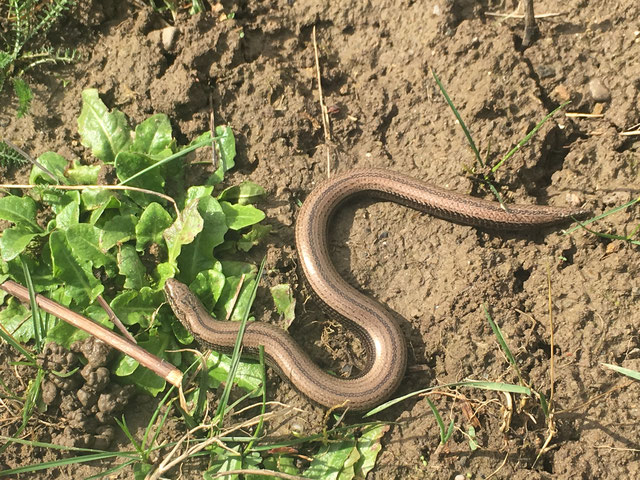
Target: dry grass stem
323,107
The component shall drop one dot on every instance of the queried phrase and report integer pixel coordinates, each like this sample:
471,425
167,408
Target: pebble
546,71
599,92
169,35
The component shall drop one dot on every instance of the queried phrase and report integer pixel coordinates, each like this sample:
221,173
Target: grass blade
602,215
457,114
35,311
528,137
496,386
625,371
503,344
237,348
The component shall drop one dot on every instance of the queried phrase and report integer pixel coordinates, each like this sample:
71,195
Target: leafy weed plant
22,45
80,240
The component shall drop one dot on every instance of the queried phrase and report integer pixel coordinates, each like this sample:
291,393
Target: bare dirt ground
386,111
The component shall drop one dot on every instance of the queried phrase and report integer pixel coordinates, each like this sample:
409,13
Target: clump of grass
22,45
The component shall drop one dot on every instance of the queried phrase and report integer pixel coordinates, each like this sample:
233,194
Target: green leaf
334,461
157,344
66,206
76,275
152,224
17,320
198,255
84,240
224,462
21,211
233,268
250,239
105,133
153,135
137,307
228,304
226,149
183,231
53,162
131,267
248,376
240,216
208,286
285,302
13,242
128,164
245,193
119,229
65,334
369,447
280,463
24,94
83,174
473,444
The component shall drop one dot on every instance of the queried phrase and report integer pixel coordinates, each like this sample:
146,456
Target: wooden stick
157,365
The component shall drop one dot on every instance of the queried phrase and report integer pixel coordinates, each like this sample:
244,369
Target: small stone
546,71
599,92
574,199
561,93
169,35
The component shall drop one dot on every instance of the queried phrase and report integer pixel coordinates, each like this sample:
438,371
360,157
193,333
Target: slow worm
381,335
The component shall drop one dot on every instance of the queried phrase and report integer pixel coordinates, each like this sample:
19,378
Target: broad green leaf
130,163
188,224
96,197
53,162
250,239
16,318
97,200
369,447
163,271
208,286
149,229
64,334
39,266
21,211
234,268
281,463
13,242
224,462
198,255
76,275
332,460
66,206
230,302
119,229
137,307
131,267
248,376
181,333
84,240
105,133
285,302
240,216
153,135
226,151
245,193
140,376
83,174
